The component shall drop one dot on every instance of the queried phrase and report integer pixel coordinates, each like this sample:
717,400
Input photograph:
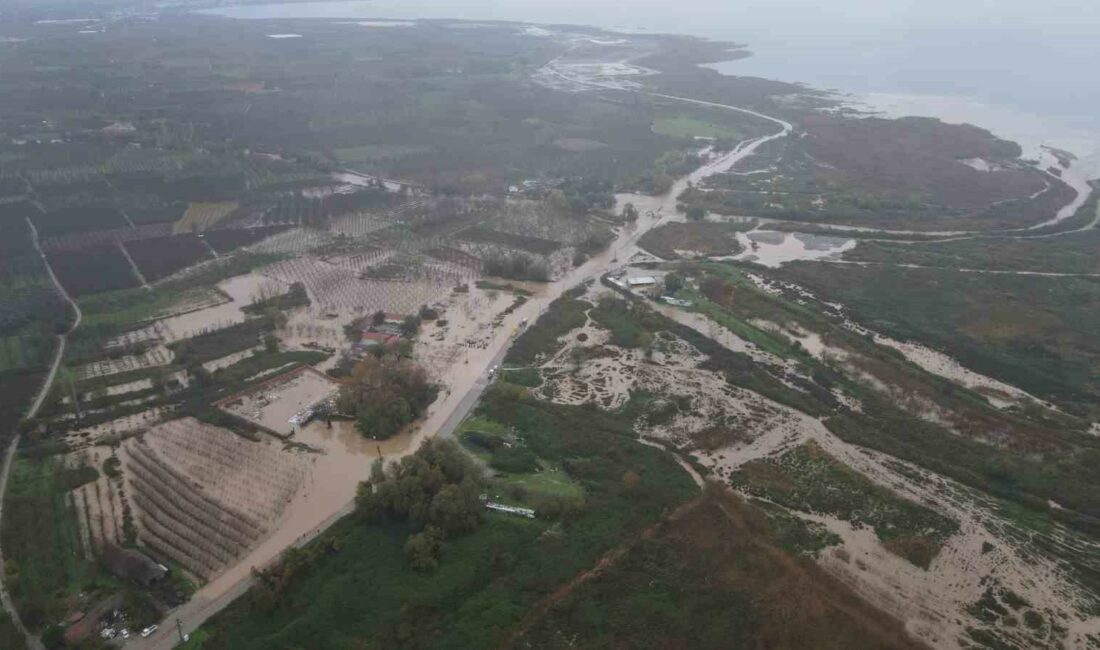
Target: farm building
641,281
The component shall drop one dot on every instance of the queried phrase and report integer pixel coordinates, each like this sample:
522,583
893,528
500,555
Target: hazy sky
836,16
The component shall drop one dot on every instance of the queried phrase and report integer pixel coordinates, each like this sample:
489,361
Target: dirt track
5,598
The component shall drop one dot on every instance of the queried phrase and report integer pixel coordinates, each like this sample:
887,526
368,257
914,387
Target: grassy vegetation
20,387
522,477
793,534
10,638
540,340
496,286
1030,331
739,368
688,126
487,580
529,377
120,310
808,479
217,344
203,216
534,487
1028,456
1072,253
1067,254
701,237
43,556
295,297
715,577
632,324
905,174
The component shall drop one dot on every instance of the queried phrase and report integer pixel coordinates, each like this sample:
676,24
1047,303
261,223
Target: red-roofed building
379,338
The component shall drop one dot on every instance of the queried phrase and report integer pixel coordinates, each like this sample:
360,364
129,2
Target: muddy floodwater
773,249
242,291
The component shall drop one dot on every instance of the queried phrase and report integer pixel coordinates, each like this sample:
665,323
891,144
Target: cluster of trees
517,266
583,194
437,489
673,283
384,394
272,582
665,171
219,343
272,297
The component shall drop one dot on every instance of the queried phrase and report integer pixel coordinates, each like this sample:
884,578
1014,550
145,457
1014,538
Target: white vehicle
147,631
124,634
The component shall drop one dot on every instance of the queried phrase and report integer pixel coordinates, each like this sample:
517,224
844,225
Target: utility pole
179,630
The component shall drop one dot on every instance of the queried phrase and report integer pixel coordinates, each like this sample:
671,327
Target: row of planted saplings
244,523
195,534
254,476
238,527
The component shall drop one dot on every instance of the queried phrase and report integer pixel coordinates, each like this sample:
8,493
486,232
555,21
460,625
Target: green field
716,577
10,638
1069,253
44,559
1034,332
687,126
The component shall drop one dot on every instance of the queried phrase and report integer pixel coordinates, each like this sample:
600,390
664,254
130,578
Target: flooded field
242,291
205,495
774,249
155,356
340,458
275,403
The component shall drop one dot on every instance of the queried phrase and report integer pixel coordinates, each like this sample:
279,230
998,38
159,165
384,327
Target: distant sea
1024,69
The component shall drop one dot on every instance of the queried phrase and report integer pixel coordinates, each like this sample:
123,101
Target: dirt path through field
5,599
605,562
